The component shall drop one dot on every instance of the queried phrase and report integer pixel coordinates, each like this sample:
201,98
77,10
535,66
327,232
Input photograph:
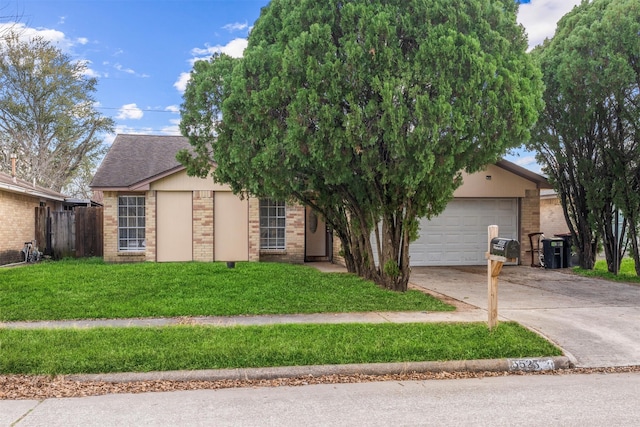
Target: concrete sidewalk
469,315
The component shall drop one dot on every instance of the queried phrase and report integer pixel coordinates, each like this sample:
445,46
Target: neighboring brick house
18,202
552,220
153,211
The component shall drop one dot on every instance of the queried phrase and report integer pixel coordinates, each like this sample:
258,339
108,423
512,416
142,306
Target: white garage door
458,236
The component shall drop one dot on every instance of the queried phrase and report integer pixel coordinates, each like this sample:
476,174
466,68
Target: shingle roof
21,186
136,158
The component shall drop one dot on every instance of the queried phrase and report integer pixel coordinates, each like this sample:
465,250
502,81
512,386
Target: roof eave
540,181
144,185
31,192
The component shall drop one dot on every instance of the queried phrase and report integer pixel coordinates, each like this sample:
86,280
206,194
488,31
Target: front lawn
627,271
90,288
101,350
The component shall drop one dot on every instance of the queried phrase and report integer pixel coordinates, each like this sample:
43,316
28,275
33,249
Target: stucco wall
494,181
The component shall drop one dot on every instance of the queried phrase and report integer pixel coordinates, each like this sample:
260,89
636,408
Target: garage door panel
459,235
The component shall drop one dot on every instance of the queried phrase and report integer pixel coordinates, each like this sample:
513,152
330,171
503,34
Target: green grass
90,289
100,350
627,271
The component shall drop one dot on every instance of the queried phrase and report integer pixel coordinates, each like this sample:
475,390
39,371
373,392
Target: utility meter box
507,248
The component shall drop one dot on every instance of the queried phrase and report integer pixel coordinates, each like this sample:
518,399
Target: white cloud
110,137
173,108
524,161
235,48
129,111
236,26
90,72
122,129
173,128
55,37
119,67
540,17
181,83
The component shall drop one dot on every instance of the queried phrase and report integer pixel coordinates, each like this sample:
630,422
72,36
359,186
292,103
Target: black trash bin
553,251
566,252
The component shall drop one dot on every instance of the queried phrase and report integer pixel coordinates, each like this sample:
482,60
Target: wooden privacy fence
76,233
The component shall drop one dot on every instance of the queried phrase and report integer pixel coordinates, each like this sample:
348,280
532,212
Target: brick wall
17,225
203,230
529,222
150,226
294,237
110,230
552,217
254,229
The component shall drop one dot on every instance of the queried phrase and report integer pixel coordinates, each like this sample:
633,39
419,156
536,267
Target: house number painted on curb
531,365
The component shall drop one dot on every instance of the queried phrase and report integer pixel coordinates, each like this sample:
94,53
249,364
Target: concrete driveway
596,322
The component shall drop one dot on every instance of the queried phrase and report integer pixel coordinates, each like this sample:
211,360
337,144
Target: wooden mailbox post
500,251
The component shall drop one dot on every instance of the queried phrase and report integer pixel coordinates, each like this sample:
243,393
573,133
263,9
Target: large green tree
47,113
367,110
588,134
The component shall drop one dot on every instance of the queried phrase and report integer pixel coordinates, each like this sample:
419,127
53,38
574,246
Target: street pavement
540,400
593,321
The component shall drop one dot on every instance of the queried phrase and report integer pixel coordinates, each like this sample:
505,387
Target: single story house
19,201
153,211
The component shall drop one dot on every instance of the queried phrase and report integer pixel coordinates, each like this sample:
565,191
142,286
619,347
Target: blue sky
141,51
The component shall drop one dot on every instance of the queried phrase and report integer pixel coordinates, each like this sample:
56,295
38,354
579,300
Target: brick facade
150,226
110,230
254,229
18,225
552,219
294,235
203,226
529,222
203,230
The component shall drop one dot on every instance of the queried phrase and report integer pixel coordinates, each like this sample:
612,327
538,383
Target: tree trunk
634,240
612,242
394,268
586,249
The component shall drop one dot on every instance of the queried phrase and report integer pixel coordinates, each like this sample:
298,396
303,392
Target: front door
315,236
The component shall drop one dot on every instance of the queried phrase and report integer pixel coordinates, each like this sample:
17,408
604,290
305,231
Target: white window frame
273,223
131,223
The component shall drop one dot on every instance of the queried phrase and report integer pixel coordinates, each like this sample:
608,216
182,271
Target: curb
535,364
